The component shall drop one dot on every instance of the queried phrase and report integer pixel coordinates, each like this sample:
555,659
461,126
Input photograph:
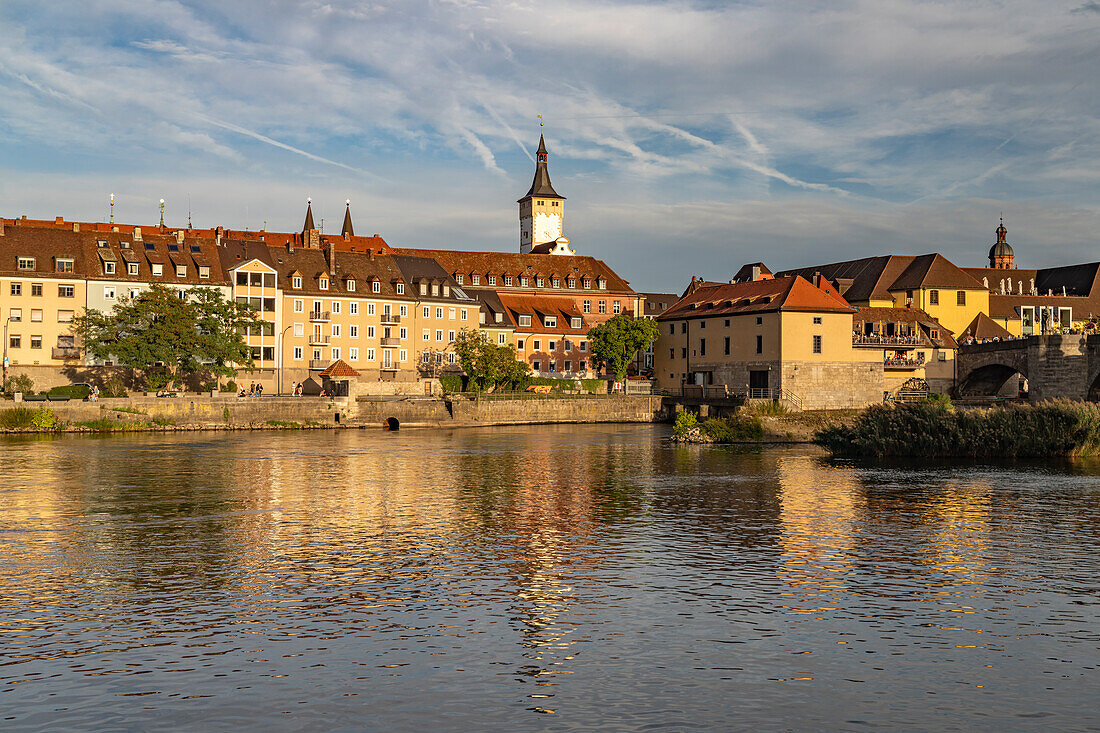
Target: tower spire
347,230
309,216
541,185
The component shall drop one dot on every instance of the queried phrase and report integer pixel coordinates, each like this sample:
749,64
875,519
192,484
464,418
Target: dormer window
423,288
603,284
524,281
587,282
541,282
124,245
296,282
556,282
550,321
132,269
400,288
181,270
508,280
571,282
435,289
446,291
498,317
525,320
376,287
492,279
204,272
108,268
476,279
458,279
102,243
323,284
575,323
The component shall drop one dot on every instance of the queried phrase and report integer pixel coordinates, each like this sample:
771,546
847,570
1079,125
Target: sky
688,137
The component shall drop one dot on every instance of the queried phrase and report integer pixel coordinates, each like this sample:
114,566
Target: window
323,284
602,306
550,321
552,346
65,291
297,353
759,321
540,282
427,334
727,346
370,332
36,290
299,329
683,352
672,353
492,279
108,268
536,365
370,354
353,354
538,345
351,286
296,282
616,307
316,354
404,310
462,314
66,342
335,306
439,335
36,342
684,327
603,284
370,309
584,346
403,355
587,283
336,331
571,282
299,305
158,269
817,344
519,344
376,287
256,279
671,329
353,331
458,279
960,297
525,281
702,324
556,283
587,306
403,333
400,288
435,289
525,320
574,323
109,292
568,345
500,338
132,269
439,313
204,272
476,279
935,333
25,263
702,347
124,245
16,314
933,297
17,288
759,344
727,324
553,366
133,293
508,280
150,246
354,308
181,270
450,314
335,352
450,336
15,342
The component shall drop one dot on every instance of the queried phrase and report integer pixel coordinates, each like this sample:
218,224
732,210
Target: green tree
201,334
615,342
488,365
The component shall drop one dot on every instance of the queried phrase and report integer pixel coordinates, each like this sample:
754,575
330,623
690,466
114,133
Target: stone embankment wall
203,411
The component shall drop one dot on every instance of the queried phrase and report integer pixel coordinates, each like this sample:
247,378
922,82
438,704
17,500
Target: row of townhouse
392,314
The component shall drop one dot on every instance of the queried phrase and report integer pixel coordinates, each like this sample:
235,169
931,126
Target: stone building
764,338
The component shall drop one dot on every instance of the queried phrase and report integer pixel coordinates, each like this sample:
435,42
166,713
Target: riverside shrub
932,429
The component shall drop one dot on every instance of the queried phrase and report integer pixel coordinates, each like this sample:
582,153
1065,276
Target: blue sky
689,138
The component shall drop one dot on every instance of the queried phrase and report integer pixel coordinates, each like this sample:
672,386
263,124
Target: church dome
1001,249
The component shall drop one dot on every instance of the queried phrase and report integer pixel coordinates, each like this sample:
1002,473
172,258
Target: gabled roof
984,327
762,296
539,306
934,271
339,368
862,280
917,317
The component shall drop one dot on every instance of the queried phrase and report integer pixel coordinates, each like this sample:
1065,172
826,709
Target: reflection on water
538,577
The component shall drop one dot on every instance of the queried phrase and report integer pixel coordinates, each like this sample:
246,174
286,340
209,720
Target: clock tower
541,211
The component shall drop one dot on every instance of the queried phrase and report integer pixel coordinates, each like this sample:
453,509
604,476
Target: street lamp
279,365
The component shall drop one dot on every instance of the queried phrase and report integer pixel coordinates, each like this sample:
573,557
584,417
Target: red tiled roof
762,296
339,368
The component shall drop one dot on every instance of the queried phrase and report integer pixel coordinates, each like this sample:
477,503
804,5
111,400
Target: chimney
1,226
218,234
332,259
179,236
137,234
114,229
817,278
314,239
76,227
59,220
290,242
370,255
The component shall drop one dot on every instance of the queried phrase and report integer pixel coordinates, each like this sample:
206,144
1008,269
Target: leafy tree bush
615,342
229,386
451,383
488,365
736,429
201,334
20,383
113,387
16,417
931,429
685,421
44,419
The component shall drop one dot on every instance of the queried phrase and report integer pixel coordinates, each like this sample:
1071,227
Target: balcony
389,319
389,367
320,316
389,342
903,364
66,352
316,365
875,340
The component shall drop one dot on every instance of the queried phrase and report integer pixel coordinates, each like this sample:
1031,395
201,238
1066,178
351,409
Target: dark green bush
451,383
74,391
736,429
16,417
229,386
931,429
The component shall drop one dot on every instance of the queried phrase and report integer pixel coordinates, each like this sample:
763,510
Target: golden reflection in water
958,521
819,506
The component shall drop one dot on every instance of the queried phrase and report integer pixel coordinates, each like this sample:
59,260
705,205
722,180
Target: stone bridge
1055,366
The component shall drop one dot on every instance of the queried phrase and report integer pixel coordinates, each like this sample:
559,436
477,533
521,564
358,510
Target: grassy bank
937,430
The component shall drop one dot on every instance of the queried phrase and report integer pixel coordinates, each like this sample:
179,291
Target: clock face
547,227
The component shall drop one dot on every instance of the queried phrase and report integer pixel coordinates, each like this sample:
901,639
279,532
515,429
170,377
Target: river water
549,577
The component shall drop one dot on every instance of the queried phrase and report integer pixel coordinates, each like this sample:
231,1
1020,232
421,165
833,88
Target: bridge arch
987,370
